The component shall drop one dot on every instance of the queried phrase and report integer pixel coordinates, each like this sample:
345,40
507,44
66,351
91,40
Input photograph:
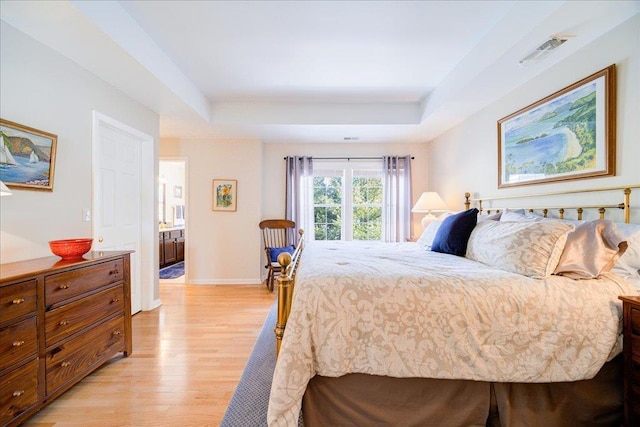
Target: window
347,201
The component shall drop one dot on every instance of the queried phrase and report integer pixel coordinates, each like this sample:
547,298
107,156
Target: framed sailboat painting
27,156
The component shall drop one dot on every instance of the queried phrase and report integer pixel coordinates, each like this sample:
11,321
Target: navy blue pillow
274,252
454,232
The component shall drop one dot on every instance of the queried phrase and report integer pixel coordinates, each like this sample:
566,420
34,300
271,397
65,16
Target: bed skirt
360,399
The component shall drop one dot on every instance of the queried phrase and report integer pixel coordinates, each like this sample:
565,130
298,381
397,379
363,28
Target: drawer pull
115,300
114,272
63,323
18,343
116,332
18,301
63,287
18,393
65,364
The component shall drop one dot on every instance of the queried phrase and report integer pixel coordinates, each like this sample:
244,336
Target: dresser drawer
70,318
18,391
18,342
17,300
80,355
62,286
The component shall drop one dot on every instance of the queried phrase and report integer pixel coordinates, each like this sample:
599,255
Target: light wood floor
187,358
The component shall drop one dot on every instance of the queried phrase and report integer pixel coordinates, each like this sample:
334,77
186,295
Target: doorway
122,181
172,219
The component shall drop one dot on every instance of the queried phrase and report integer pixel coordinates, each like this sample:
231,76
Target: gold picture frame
225,195
27,156
570,134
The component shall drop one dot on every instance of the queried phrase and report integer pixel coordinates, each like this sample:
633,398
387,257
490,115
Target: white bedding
398,310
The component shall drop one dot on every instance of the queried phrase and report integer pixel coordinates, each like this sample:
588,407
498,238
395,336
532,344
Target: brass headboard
624,205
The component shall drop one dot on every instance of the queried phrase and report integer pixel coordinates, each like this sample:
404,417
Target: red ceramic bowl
70,248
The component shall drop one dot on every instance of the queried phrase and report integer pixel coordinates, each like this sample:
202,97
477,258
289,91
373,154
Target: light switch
86,215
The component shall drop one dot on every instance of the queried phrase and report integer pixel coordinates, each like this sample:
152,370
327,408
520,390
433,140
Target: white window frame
325,168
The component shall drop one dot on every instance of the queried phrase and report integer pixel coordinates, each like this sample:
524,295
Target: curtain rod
349,158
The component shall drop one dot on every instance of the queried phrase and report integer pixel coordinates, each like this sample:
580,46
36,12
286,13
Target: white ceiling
312,71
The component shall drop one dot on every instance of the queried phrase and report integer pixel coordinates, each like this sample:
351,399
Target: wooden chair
278,235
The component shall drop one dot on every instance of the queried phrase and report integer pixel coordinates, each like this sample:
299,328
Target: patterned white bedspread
401,311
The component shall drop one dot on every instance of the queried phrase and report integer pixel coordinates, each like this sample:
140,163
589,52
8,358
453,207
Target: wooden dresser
59,321
631,313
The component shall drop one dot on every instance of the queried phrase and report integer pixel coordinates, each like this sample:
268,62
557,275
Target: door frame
148,209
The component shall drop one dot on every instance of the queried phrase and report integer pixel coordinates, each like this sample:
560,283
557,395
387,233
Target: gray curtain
299,193
396,215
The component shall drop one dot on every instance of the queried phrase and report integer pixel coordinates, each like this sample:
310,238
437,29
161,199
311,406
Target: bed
516,331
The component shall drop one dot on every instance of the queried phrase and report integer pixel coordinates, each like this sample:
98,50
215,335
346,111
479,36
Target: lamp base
427,219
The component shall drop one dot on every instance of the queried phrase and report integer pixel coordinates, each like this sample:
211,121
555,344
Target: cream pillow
528,248
429,233
591,249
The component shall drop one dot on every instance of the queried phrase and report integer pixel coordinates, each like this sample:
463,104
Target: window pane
367,205
328,223
320,215
334,232
367,223
320,231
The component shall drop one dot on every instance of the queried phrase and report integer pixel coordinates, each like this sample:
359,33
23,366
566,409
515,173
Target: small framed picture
225,195
177,192
27,156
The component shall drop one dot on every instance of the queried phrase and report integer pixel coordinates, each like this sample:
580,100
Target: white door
117,202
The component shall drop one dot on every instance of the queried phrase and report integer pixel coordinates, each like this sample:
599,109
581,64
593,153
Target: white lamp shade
429,201
4,191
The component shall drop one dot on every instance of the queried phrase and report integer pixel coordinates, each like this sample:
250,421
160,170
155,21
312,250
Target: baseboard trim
225,282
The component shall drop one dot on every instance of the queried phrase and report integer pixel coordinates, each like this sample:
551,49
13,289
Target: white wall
44,90
226,247
221,247
465,158
174,173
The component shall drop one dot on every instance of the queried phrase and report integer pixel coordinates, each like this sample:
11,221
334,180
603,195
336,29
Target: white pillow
491,217
628,265
509,215
528,248
429,233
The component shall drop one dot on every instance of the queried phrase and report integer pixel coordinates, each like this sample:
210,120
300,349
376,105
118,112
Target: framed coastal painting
225,195
569,134
27,156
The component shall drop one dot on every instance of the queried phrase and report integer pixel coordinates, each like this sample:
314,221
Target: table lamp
429,201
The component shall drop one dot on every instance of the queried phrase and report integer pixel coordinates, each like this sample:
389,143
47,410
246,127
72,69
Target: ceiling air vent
544,50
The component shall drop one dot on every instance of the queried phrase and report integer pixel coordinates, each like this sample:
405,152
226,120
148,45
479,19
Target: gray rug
248,406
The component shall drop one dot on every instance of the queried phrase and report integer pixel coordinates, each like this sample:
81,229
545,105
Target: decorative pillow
492,217
591,249
528,248
274,252
429,233
509,215
628,264
453,234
